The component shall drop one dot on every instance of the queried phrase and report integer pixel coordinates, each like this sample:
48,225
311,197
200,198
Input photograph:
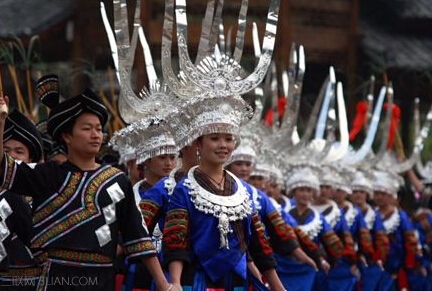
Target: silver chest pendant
225,208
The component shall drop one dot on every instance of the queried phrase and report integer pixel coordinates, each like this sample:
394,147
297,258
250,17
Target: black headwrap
20,128
65,113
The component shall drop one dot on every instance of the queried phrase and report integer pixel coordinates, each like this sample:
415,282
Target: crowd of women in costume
205,196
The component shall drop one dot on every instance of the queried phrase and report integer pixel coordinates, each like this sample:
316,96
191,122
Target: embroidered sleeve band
176,229
142,247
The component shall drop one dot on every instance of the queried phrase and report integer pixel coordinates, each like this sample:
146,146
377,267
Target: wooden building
396,39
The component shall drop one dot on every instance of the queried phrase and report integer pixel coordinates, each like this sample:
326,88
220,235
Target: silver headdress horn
424,171
148,103
295,74
226,78
357,156
146,112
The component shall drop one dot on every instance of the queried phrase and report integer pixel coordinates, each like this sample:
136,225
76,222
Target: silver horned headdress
214,84
425,171
148,111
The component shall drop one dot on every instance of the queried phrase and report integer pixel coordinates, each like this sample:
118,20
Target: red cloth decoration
119,278
394,123
382,246
269,117
411,249
402,279
281,103
359,119
281,106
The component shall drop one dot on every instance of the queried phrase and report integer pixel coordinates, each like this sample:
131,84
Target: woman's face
303,195
259,182
274,190
241,169
216,148
326,192
359,197
161,166
382,199
339,196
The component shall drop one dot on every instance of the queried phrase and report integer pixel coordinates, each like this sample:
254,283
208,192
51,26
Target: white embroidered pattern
369,217
393,222
313,227
350,214
333,216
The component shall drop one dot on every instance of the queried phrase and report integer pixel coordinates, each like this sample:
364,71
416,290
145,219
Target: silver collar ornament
226,209
369,217
313,227
333,216
393,222
350,213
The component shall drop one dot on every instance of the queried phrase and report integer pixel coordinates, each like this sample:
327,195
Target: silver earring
198,154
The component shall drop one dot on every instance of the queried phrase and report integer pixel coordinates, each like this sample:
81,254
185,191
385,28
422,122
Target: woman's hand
325,266
355,271
302,257
363,260
380,264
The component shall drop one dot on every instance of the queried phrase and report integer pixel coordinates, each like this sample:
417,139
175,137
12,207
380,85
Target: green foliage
27,55
6,53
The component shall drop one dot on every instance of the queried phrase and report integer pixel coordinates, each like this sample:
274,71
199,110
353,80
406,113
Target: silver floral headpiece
152,139
267,165
344,176
142,140
361,182
303,177
121,142
261,168
244,152
148,111
387,182
343,183
216,115
214,85
329,176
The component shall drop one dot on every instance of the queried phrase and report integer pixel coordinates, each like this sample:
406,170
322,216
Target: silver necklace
219,185
226,209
